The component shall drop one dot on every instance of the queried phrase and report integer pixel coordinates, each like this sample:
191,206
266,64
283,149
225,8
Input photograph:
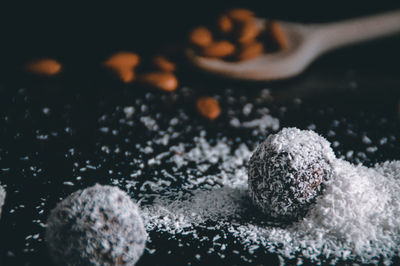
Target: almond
44,67
240,14
126,75
219,49
250,51
160,80
279,36
163,63
225,24
247,31
208,107
122,60
200,36
123,63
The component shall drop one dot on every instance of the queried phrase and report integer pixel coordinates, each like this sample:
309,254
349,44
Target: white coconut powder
356,218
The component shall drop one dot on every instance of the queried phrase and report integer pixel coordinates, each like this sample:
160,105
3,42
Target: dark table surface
358,86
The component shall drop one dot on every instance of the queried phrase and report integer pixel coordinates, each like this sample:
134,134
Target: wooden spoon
306,43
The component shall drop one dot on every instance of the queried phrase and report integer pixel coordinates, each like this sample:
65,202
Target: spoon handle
337,34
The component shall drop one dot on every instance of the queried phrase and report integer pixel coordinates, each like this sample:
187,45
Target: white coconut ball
99,225
288,171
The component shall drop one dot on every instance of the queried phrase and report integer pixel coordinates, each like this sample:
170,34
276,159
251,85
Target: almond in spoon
219,49
248,30
225,24
250,51
200,36
278,35
240,14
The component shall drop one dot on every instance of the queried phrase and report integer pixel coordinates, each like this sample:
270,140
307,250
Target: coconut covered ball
99,225
287,172
2,198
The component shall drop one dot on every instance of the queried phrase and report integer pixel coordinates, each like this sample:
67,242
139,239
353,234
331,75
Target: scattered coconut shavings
129,111
262,123
2,197
356,218
130,148
183,212
206,155
149,122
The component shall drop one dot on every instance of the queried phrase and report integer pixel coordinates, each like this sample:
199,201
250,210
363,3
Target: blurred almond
219,49
225,24
250,51
160,80
208,107
200,36
278,35
240,14
122,60
126,75
123,64
163,63
248,31
44,67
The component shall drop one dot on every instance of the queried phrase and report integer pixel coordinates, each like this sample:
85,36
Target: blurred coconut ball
99,225
288,171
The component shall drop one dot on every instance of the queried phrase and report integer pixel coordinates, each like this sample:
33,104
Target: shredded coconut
266,121
2,198
356,218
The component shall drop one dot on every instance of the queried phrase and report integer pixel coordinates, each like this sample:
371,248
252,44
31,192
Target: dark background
81,36
358,86
84,33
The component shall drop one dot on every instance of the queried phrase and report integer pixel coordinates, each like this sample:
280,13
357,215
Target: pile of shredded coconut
356,218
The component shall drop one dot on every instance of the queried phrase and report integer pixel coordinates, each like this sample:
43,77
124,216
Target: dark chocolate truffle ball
2,198
287,172
99,225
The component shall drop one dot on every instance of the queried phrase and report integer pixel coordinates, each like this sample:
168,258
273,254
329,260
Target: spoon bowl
306,43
